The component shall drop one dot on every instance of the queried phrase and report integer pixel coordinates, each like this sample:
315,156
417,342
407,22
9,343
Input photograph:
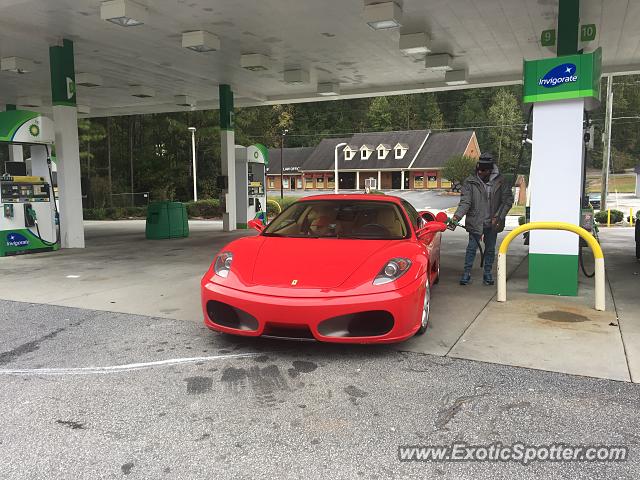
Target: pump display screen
21,192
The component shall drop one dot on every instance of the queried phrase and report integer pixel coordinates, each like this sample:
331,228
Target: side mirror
432,227
427,216
442,217
256,225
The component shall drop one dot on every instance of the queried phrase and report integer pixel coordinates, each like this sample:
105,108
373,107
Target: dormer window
400,150
349,152
383,151
365,152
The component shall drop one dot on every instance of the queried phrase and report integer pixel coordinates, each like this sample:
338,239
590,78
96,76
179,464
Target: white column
228,154
70,193
357,180
402,180
379,180
556,166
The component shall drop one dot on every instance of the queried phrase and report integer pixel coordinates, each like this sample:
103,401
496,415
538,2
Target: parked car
335,268
594,200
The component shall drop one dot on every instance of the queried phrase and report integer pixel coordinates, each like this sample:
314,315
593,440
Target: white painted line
73,276
120,368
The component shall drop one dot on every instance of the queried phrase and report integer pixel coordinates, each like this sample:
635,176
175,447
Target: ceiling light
254,62
16,65
200,41
328,89
84,109
88,80
381,16
123,12
141,91
456,77
30,102
184,100
441,61
296,77
414,43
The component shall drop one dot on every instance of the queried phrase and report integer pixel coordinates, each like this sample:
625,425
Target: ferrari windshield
365,220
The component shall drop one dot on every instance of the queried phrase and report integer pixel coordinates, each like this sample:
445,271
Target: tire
437,280
426,310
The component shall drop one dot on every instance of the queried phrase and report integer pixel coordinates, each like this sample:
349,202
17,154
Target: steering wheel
374,229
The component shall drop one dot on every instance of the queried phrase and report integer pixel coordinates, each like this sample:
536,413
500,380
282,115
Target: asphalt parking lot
94,394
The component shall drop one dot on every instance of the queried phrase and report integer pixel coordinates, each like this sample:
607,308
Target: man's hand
453,223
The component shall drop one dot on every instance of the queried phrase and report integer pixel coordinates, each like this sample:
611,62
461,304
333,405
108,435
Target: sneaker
465,279
487,279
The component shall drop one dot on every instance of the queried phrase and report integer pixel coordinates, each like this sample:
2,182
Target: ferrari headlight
222,265
394,269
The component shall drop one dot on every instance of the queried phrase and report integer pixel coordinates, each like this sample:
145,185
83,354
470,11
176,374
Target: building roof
440,147
322,157
413,139
293,159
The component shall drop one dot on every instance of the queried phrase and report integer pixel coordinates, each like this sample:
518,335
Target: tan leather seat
388,218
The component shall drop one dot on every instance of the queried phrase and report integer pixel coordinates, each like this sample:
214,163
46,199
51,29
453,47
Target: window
365,152
383,151
418,181
331,182
320,182
308,182
400,150
298,182
285,182
349,153
414,216
272,183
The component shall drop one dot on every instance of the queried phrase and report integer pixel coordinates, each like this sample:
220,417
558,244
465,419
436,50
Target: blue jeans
489,247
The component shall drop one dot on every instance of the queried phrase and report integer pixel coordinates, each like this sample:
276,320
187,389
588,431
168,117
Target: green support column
568,27
228,157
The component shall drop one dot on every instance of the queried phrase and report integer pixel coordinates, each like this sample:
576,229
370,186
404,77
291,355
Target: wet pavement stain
304,367
198,385
355,392
9,356
73,425
562,316
126,468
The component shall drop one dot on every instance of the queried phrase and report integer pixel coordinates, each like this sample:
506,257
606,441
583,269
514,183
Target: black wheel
437,280
426,310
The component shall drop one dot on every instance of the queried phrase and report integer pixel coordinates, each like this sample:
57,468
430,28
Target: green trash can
167,220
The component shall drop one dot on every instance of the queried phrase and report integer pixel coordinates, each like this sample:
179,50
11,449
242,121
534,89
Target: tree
457,168
505,114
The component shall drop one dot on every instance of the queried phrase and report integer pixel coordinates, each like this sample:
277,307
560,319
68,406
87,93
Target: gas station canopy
282,51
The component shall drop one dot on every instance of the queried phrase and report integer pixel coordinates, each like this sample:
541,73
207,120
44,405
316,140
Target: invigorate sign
562,78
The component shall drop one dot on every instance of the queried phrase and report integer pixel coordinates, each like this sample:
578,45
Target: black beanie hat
486,160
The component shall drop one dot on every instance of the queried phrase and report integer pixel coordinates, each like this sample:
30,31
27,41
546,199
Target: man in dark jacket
486,199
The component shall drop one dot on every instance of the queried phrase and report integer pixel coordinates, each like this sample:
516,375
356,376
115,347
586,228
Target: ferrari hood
311,262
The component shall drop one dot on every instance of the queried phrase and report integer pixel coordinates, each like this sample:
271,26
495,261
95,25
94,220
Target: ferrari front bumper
398,313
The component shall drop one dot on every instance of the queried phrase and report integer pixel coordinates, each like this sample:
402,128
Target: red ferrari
335,268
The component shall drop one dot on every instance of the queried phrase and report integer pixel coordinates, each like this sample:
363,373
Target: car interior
362,221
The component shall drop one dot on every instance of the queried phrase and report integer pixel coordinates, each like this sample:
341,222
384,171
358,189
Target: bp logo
16,240
34,130
560,75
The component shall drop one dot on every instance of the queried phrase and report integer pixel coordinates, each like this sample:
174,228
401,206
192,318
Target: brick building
395,160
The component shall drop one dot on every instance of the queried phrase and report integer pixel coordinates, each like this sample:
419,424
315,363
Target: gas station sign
562,78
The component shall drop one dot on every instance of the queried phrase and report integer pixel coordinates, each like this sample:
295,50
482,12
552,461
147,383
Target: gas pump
29,219
251,197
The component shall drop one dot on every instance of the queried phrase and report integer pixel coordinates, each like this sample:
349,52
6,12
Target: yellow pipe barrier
608,217
590,239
